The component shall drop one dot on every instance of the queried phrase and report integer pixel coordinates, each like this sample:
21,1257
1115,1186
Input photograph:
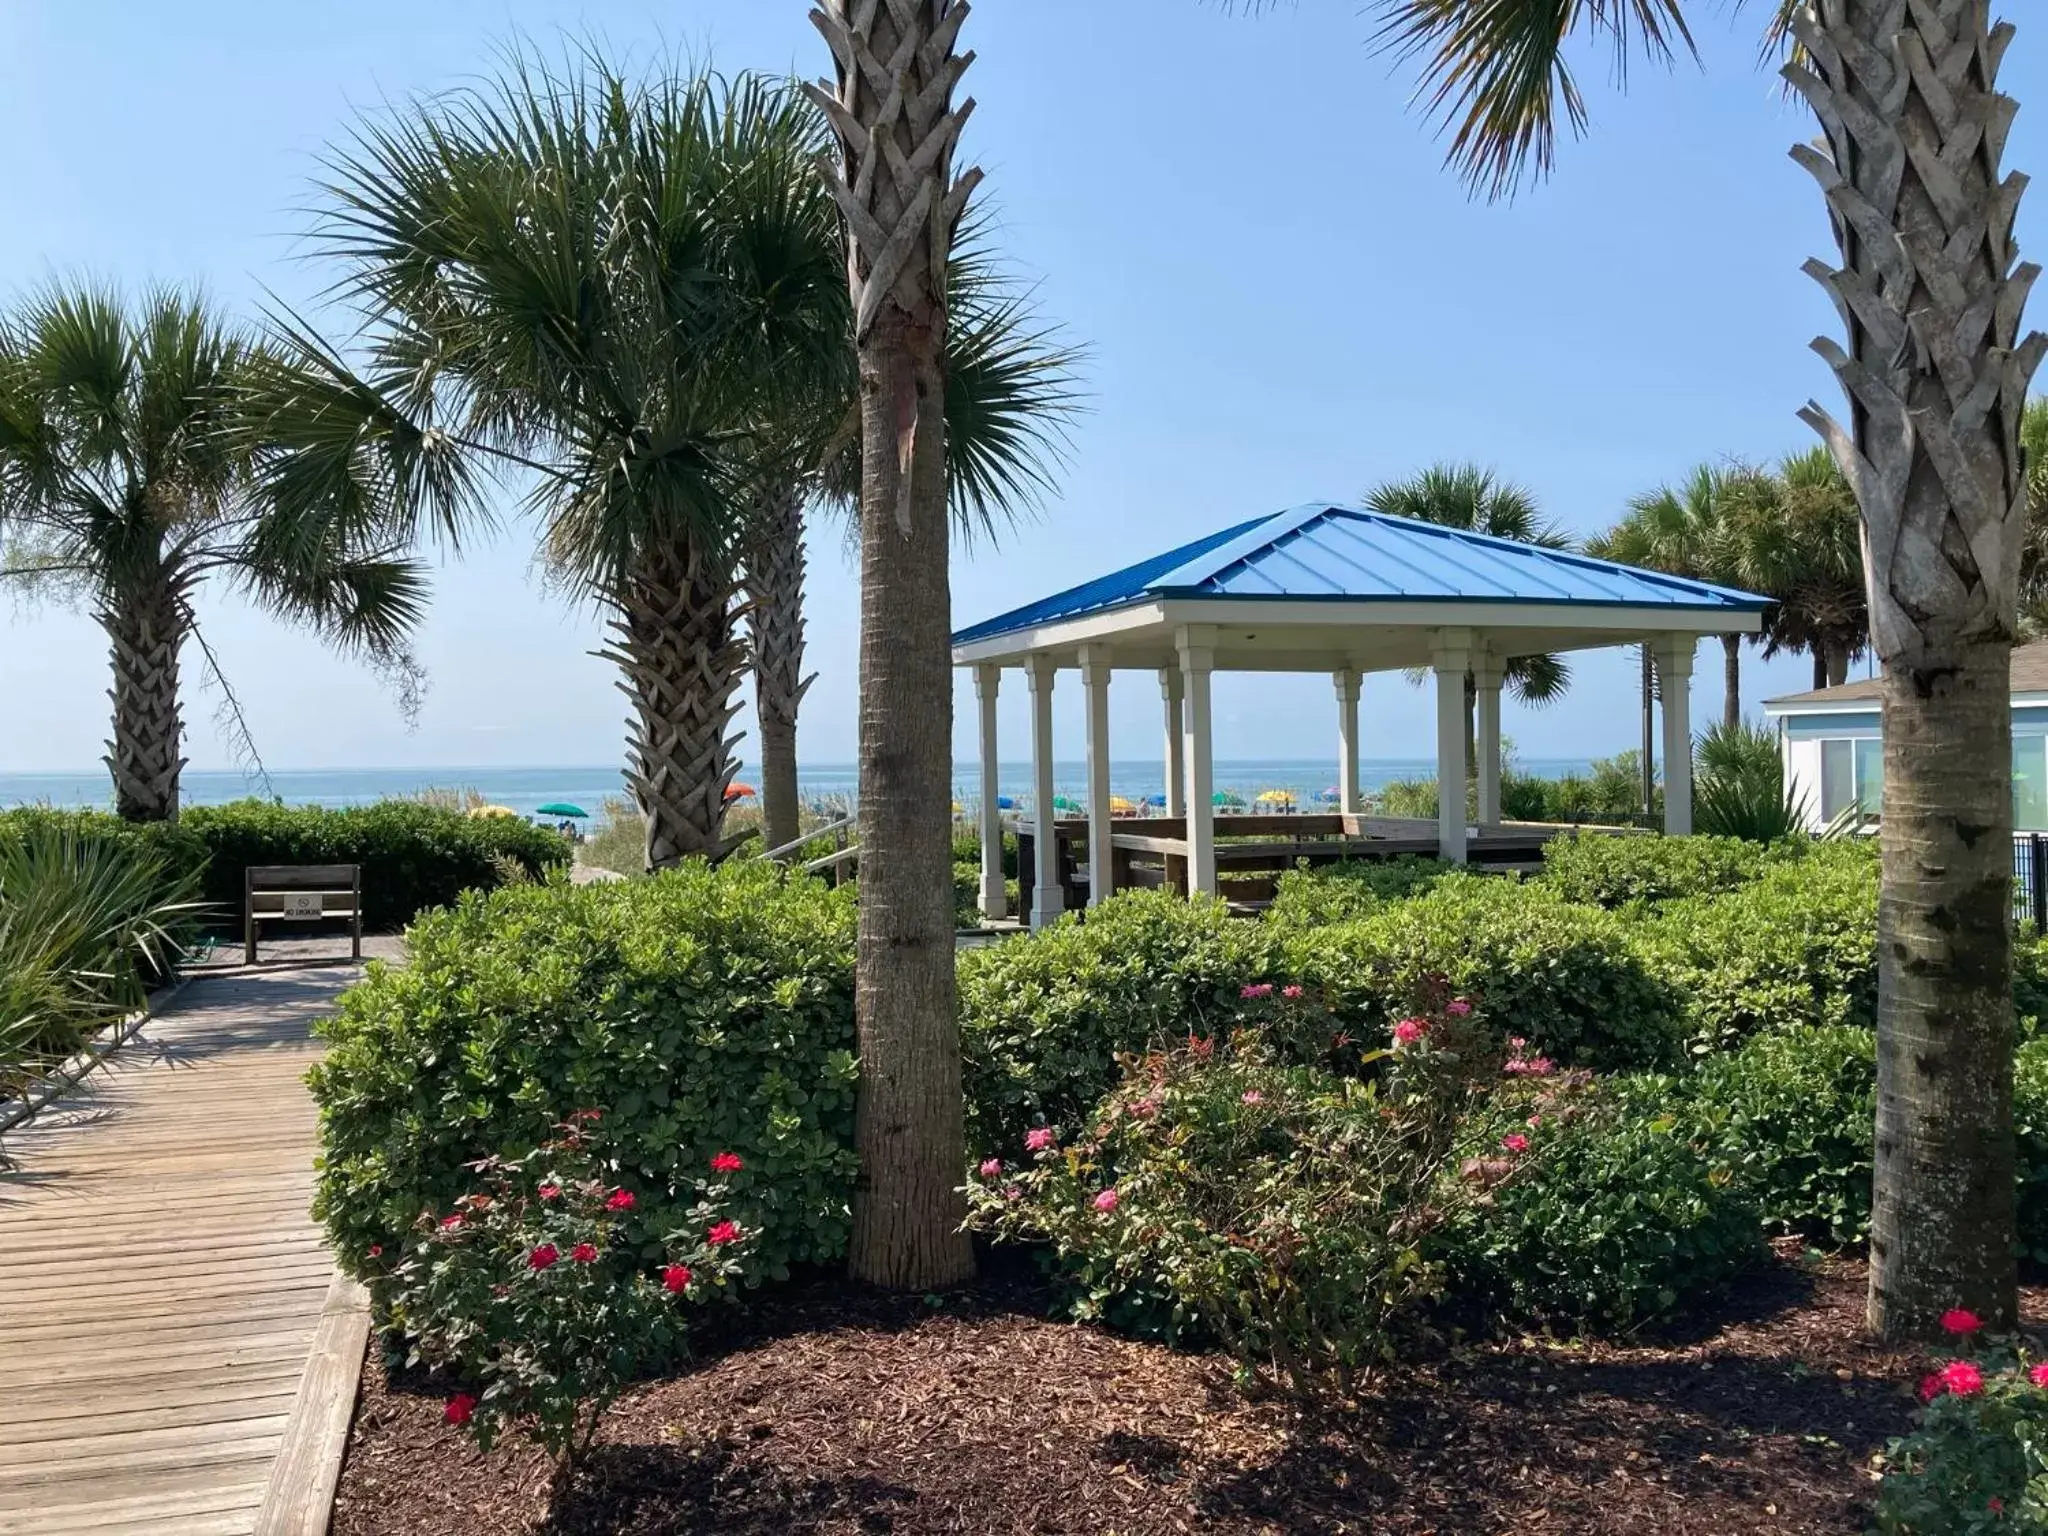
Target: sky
1283,295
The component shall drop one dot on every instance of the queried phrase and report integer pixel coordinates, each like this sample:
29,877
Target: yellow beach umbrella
1280,797
1119,806
492,812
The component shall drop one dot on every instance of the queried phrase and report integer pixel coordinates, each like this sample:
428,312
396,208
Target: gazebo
1332,589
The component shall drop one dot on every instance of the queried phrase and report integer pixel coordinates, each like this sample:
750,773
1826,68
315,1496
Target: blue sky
1284,295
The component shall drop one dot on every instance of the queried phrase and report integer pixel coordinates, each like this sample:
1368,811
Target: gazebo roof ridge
1328,552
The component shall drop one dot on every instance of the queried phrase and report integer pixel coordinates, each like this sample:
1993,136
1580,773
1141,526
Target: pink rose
1457,1007
1106,1201
1039,1138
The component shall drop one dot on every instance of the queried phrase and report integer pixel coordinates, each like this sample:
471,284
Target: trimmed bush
1615,1217
1043,1017
1336,893
1798,945
1608,871
1570,978
1792,1113
698,1011
414,856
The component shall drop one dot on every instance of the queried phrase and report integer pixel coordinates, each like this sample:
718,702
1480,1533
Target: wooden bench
302,893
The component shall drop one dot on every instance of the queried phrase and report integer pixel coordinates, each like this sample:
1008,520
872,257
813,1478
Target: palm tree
1680,530
624,300
1793,535
1469,497
2034,548
896,67
131,474
1936,374
1010,394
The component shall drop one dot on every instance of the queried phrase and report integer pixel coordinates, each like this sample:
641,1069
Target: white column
1045,891
1347,741
1095,683
1486,678
1451,656
1176,743
1674,678
1196,643
995,903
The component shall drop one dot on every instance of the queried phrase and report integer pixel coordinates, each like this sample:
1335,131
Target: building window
1851,774
2030,783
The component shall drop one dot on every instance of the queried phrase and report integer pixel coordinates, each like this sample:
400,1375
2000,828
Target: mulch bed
838,1413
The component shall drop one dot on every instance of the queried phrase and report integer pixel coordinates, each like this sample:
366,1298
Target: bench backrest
303,877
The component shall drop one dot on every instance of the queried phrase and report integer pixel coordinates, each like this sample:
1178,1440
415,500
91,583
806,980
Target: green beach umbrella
1225,797
560,808
1065,803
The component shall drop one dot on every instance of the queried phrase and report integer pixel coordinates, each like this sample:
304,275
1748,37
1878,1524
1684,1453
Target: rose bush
1978,1460
1281,1210
531,1293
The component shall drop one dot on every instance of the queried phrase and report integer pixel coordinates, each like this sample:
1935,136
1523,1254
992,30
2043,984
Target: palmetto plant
1793,535
1469,497
131,452
1936,370
890,101
625,300
82,921
1681,530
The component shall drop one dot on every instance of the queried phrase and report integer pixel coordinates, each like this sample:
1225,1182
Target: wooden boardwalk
161,1281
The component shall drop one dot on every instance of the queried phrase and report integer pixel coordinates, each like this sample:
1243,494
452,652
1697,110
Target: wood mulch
833,1413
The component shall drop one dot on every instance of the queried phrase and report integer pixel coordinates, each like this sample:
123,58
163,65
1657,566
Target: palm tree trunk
775,619
675,637
1937,381
1837,654
145,627
1731,680
892,108
1819,658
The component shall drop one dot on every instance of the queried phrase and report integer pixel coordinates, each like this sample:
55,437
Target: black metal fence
2030,880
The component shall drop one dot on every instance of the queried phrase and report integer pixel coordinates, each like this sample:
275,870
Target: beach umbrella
1226,797
1119,806
1280,797
1331,796
492,812
739,792
1065,803
1005,803
1155,800
560,808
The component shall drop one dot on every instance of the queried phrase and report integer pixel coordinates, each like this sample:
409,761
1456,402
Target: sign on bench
303,893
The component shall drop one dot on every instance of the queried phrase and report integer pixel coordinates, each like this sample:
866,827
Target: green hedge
1619,1216
1798,945
1043,1017
699,1011
1336,893
1609,871
414,856
1570,978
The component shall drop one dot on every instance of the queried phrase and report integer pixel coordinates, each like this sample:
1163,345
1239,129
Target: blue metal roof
1326,553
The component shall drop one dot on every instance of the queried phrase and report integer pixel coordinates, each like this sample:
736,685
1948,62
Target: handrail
837,856
825,831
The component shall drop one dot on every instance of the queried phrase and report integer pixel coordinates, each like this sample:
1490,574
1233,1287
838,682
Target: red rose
1960,1320
459,1408
726,1162
583,1253
376,1250
724,1232
676,1277
551,1191
450,1223
621,1200
543,1257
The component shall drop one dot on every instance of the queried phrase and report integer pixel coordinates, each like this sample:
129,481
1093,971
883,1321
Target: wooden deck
162,1285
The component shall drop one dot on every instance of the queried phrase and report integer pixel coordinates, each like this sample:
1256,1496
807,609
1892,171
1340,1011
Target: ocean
525,789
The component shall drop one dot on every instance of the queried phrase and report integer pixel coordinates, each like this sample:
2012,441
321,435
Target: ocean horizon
525,789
